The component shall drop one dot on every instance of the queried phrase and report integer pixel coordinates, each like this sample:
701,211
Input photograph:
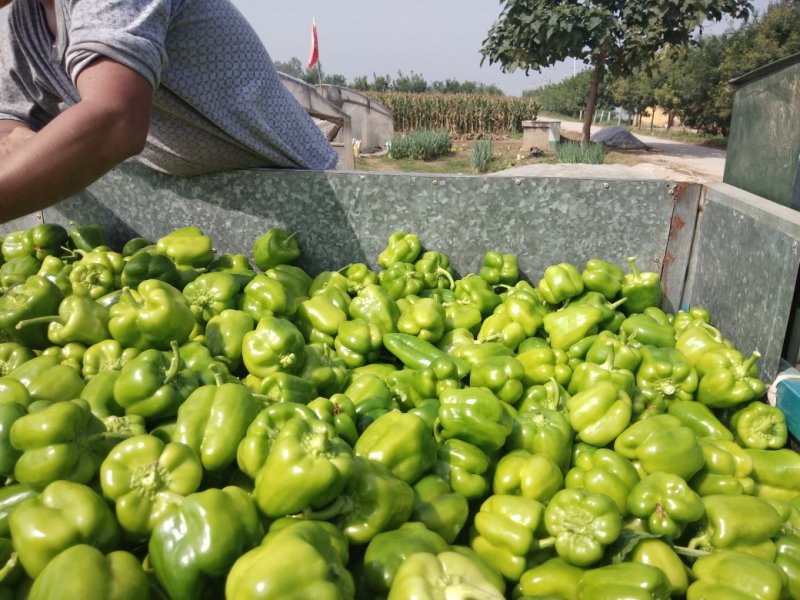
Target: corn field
458,113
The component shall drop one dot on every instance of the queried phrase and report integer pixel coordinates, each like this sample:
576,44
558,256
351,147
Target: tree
293,67
410,83
614,36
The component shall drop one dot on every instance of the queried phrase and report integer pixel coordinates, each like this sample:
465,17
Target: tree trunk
652,118
591,102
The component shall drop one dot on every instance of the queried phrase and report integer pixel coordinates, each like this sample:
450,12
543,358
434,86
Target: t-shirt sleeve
15,103
130,32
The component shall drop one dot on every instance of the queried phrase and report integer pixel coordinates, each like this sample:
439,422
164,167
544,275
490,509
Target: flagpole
319,67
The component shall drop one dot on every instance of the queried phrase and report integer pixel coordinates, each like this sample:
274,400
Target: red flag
314,58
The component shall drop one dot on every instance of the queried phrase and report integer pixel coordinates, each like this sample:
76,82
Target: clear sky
438,39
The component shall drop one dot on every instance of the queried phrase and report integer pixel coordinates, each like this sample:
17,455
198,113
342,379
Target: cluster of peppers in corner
175,424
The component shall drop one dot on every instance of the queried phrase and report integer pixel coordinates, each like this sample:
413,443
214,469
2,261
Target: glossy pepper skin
502,375
118,575
264,296
553,578
582,525
499,269
642,289
187,246
401,280
665,376
560,282
474,415
729,574
439,507
46,379
269,571
474,291
145,265
195,543
700,419
402,442
416,353
106,355
435,269
39,241
731,383
727,470
776,473
502,328
443,575
144,476
374,305
63,515
274,247
152,317
788,559
465,467
225,335
602,471
424,319
667,502
542,430
599,413
506,530
624,580
12,355
358,342
324,369
542,364
210,294
604,277
535,476
36,297
567,326
79,319
358,276
402,247
700,339
760,426
307,467
650,328
275,345
57,271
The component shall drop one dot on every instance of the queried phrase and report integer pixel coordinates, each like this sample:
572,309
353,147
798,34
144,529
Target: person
184,87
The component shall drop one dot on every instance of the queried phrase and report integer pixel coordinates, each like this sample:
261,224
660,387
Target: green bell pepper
106,355
283,387
667,502
535,476
603,471
57,271
339,411
658,553
730,382
416,353
307,467
465,467
571,324
499,269
642,289
624,580
545,431
400,441
582,525
63,515
17,271
12,355
275,345
265,296
501,328
79,319
424,319
402,247
661,443
700,419
270,571
439,576
439,507
358,276
503,375
506,530
324,369
358,342
144,477
553,578
599,413
435,270
187,246
318,318
698,340
10,413
587,374
210,294
225,336
46,379
761,426
560,282
528,314
194,544
474,291
650,328
727,470
604,277
87,236
118,575
665,376
474,415
36,297
734,575
788,559
543,364
776,473
275,247
145,265
374,305
38,241
401,280
549,395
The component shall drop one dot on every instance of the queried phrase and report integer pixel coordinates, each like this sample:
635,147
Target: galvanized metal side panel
346,217
679,245
25,222
744,268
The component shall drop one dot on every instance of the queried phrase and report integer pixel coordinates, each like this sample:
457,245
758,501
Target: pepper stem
38,320
285,241
744,369
174,364
342,505
691,552
446,273
632,263
617,304
545,543
129,297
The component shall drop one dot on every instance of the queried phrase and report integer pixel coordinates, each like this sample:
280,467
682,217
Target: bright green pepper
440,576
642,289
210,294
79,319
270,571
459,316
560,282
624,580
650,328
294,279
416,353
667,502
358,342
57,271
568,325
358,275
195,544
727,469
658,553
374,305
225,336
439,507
761,426
545,431
424,319
723,527
464,466
788,559
582,525
604,277
92,279
36,297
526,313
197,358
502,375
308,466
665,376
402,442
475,291
603,471
144,477
731,384
63,515
106,355
12,355
284,387
39,241
275,247
684,319
145,265
698,340
506,531
586,374
522,473
734,575
402,247
499,269
699,419
187,246
501,328
275,345
553,578
87,236
599,413
46,379
118,575
776,473
550,395
474,415
661,443
401,280
213,420
318,319
10,413
339,411
435,270
154,384
324,369
543,364
153,317
17,271
265,296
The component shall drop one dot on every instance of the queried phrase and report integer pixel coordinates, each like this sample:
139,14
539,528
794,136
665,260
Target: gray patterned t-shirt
218,102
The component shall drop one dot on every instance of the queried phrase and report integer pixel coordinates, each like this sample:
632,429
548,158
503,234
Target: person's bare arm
107,126
11,134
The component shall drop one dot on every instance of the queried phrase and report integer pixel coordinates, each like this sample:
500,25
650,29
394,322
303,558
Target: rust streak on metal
679,190
676,225
669,258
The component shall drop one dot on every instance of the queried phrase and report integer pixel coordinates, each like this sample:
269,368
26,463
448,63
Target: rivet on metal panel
656,260
606,186
362,178
40,216
518,181
741,217
671,192
435,182
794,245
